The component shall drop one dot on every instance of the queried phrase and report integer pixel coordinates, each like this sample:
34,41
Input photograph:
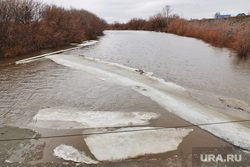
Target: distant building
241,14
220,16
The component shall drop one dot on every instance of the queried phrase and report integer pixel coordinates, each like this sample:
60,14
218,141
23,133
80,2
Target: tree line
27,26
233,33
158,22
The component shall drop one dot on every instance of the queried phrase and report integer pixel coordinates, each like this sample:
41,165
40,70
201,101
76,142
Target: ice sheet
171,97
65,119
69,153
124,145
87,43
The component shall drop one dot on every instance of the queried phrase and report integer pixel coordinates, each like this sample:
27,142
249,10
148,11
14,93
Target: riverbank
43,53
10,60
232,33
44,27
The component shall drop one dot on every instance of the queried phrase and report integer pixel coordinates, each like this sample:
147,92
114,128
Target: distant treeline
27,26
233,33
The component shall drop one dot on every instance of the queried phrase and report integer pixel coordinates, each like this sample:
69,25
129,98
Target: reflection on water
185,61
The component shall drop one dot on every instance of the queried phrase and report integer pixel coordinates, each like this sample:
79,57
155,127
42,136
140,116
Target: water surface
43,84
188,62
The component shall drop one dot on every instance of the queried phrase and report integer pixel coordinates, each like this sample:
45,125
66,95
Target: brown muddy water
211,75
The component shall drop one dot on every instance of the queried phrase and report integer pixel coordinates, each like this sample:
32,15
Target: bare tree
166,12
29,25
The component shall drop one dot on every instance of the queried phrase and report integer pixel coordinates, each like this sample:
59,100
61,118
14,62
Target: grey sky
124,10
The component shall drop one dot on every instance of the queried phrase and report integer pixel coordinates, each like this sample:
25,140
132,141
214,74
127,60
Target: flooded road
37,97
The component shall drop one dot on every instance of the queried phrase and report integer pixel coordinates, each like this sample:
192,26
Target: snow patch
137,142
69,153
65,119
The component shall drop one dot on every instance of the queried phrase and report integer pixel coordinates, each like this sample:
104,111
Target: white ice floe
85,43
170,96
117,73
137,142
8,161
69,153
65,119
88,43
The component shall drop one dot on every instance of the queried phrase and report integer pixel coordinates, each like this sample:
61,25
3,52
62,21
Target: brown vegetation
233,33
235,36
157,22
27,25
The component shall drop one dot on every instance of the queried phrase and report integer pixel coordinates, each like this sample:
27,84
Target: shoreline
43,53
10,60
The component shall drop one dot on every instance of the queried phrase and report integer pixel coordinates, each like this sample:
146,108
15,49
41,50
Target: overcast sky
124,10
